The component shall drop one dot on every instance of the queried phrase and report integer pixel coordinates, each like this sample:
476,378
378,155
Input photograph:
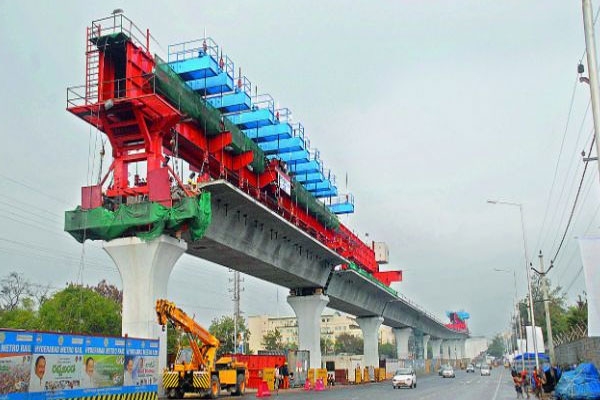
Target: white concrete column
435,348
402,335
446,349
453,345
308,311
460,348
145,268
370,330
425,342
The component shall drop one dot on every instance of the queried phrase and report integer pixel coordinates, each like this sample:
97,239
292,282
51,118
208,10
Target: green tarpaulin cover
146,220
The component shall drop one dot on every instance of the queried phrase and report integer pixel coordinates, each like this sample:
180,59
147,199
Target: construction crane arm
167,311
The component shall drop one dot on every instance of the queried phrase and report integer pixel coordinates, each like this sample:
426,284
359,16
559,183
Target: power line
562,144
574,202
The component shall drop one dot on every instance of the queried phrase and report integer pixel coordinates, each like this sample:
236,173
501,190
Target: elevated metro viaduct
241,215
246,236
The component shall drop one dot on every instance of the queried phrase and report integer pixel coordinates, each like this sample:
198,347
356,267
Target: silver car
485,370
448,372
404,377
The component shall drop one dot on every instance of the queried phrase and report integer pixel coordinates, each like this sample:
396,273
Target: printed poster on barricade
102,363
56,363
15,362
141,363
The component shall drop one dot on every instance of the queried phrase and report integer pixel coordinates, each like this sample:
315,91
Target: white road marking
499,381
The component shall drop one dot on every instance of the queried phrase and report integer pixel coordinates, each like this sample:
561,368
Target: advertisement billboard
46,365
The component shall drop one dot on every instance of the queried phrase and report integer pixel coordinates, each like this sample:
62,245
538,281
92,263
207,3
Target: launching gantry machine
176,124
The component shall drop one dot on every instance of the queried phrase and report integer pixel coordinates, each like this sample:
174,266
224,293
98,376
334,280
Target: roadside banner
15,363
589,247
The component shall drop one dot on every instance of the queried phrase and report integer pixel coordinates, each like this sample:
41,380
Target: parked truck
195,369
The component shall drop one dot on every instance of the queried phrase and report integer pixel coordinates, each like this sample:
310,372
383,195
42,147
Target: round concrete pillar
425,342
402,335
145,267
370,330
308,311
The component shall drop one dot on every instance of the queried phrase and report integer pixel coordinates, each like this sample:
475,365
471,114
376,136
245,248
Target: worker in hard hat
285,374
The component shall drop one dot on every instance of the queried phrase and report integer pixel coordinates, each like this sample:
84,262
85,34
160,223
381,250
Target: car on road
448,372
442,368
485,370
470,368
404,377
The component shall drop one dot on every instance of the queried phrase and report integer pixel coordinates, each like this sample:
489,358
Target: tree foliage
82,310
497,348
108,291
562,317
13,289
327,345
388,350
347,343
223,329
272,340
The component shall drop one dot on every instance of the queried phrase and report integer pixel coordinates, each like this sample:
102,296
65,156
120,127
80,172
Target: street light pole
537,362
518,315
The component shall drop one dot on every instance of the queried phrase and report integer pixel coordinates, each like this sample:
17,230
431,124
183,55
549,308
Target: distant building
332,325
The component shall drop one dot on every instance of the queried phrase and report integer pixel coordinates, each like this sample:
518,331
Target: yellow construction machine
195,369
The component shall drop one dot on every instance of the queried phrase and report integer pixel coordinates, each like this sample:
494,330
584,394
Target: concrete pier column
435,349
402,335
425,342
460,349
145,268
308,313
370,330
446,345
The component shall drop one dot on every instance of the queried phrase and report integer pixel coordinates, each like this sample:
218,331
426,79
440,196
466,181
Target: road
465,386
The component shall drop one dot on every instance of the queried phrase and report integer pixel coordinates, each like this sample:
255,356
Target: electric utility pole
590,45
546,299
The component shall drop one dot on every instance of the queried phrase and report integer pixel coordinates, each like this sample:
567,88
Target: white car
448,372
404,377
485,370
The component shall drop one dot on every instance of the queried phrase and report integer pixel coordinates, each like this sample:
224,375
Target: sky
430,108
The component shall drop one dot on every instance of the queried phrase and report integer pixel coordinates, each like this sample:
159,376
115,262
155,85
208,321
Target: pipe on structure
145,267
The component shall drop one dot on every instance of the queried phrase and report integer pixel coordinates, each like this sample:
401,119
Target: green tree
81,310
327,345
347,343
272,340
578,314
222,329
497,348
388,350
557,306
23,317
13,289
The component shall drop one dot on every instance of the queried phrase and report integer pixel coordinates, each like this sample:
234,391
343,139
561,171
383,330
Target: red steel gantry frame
122,101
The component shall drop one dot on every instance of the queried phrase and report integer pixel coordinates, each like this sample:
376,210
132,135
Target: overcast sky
430,107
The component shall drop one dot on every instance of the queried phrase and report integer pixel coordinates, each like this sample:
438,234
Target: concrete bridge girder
246,236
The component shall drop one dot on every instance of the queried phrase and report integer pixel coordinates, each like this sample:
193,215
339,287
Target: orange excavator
196,369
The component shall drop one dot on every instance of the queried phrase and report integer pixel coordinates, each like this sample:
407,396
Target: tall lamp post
535,350
515,303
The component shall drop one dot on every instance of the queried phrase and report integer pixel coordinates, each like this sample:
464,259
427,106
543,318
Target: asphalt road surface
465,386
